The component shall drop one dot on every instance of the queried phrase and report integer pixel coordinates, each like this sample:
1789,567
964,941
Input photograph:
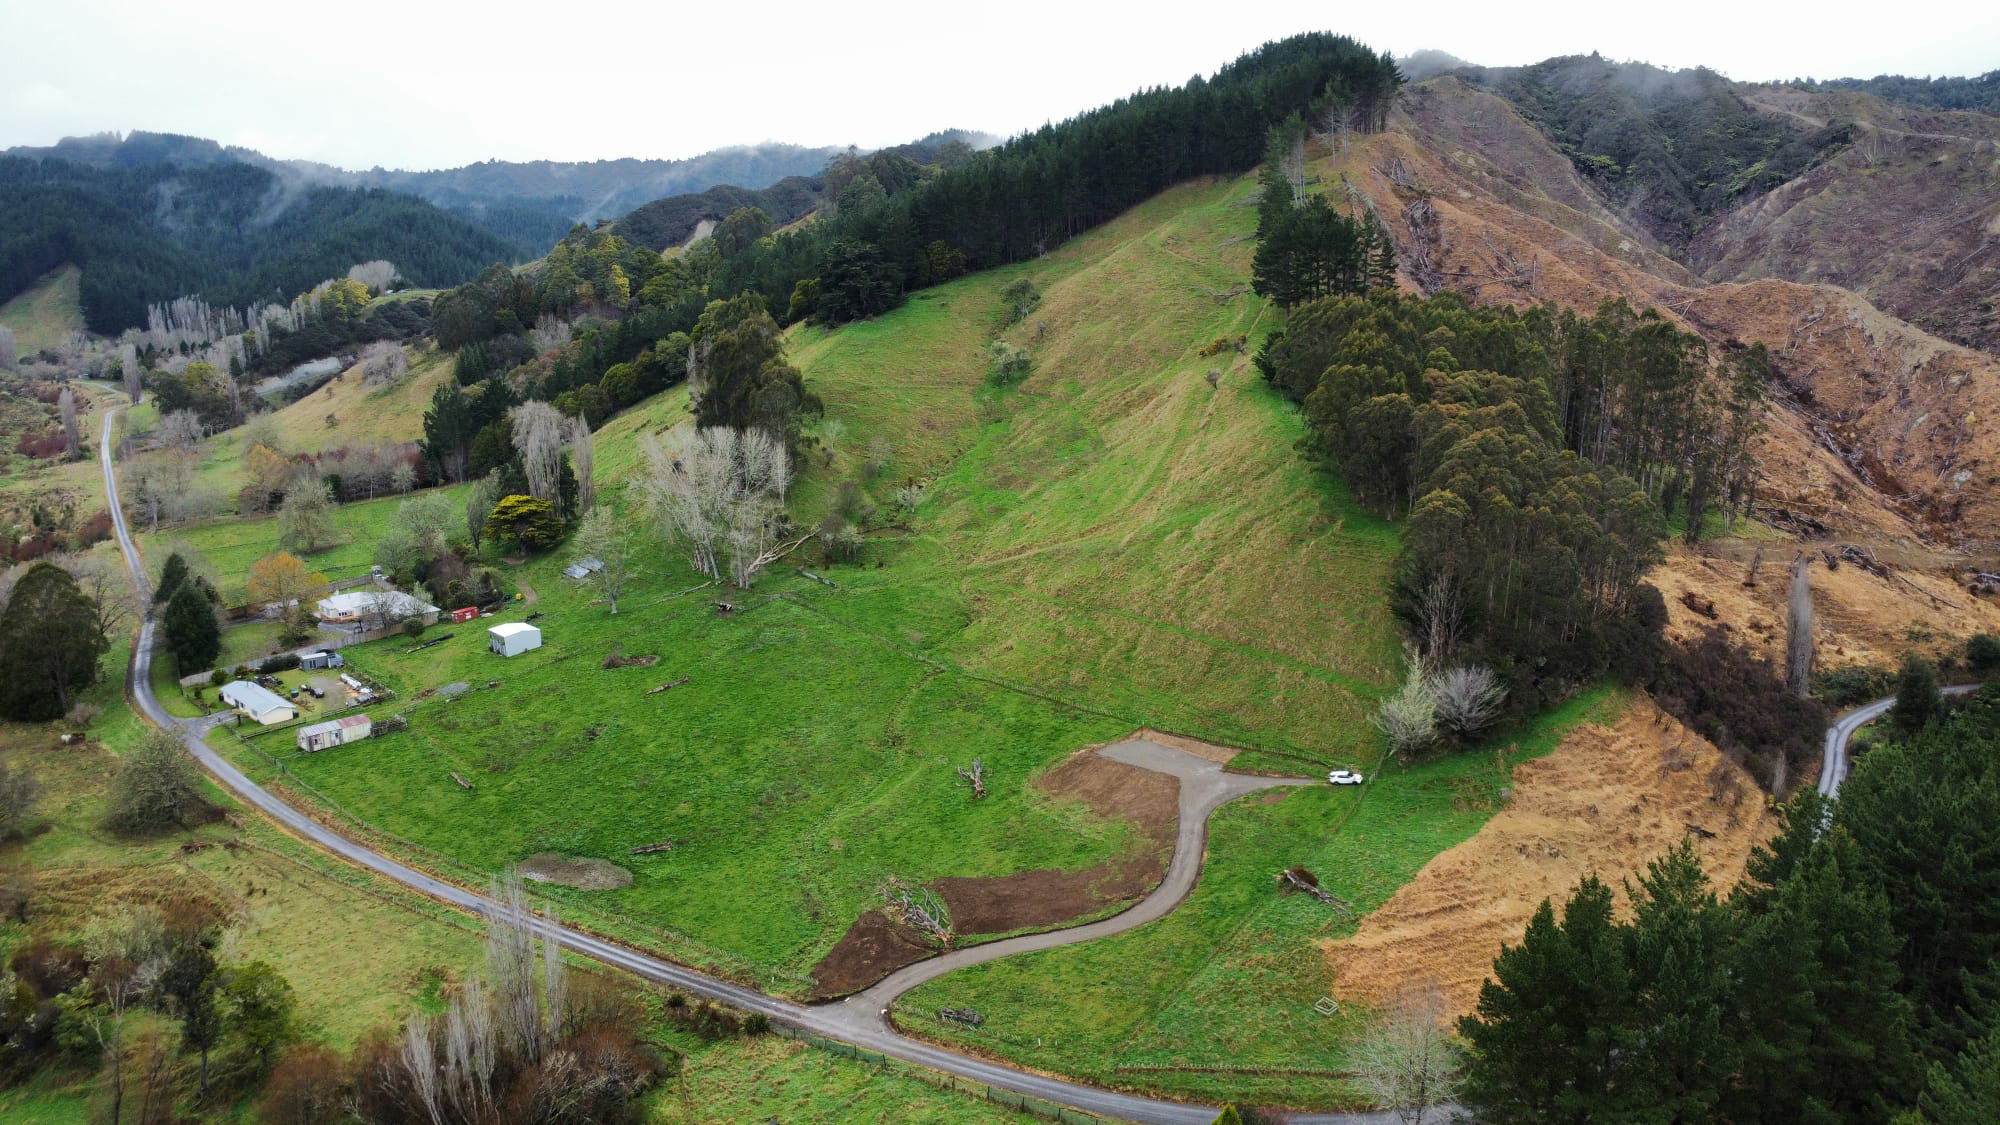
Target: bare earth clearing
877,945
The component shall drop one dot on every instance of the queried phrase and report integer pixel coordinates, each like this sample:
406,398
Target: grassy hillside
1116,533
45,314
1116,543
346,412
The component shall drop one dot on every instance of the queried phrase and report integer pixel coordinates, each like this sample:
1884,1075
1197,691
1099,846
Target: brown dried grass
1607,800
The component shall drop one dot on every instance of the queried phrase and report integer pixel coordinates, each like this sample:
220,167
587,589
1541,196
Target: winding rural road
860,1020
1834,765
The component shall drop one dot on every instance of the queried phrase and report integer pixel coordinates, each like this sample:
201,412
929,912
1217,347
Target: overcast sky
435,83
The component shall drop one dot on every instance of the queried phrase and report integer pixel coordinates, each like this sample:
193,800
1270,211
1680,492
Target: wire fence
1008,1099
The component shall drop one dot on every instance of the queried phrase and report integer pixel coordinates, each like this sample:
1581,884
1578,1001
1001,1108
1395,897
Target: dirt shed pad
872,948
583,873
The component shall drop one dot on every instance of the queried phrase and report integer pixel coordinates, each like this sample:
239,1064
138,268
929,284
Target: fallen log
462,783
665,687
649,849
818,579
976,777
1700,831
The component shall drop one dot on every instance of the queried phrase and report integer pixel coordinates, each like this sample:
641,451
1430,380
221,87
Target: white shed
334,732
258,702
513,638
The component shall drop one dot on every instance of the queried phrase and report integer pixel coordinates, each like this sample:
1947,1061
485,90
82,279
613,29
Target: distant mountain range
530,204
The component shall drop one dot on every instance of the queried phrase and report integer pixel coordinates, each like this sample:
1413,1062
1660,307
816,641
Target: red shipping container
460,616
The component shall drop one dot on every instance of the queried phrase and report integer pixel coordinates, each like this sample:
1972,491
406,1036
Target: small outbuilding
258,702
325,658
513,638
334,732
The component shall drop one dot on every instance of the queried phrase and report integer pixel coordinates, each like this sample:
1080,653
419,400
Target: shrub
1409,717
1021,298
413,627
1845,687
1982,651
283,662
157,789
1008,364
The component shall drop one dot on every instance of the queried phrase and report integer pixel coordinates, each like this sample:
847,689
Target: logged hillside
1880,429
1907,215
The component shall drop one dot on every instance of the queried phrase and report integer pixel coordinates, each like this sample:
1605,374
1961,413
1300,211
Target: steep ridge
1877,431
1907,215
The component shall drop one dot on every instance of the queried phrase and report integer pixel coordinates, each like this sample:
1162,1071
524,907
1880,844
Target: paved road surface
1202,791
1833,767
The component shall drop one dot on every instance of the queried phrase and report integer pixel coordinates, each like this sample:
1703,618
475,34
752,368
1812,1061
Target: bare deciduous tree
66,407
1295,169
549,333
539,432
162,487
830,433
1406,1061
718,487
1409,717
128,368
375,275
383,362
183,429
1799,631
608,539
305,522
425,1077
103,580
1468,699
583,462
1440,618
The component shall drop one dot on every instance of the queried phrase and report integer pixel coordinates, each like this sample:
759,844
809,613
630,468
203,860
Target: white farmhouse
258,702
375,609
513,638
